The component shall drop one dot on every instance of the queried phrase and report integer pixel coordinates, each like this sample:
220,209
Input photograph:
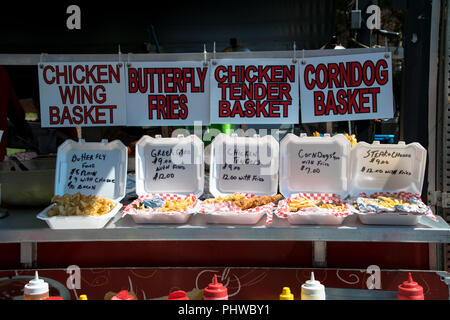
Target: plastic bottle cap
286,294
123,295
410,289
36,286
312,286
215,291
52,298
178,295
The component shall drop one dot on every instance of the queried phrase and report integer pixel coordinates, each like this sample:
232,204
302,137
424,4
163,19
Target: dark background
181,26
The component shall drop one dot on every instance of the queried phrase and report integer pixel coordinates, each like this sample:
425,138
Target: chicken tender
256,201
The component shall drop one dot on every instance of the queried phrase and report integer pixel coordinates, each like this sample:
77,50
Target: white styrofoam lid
314,164
92,168
244,164
387,167
170,165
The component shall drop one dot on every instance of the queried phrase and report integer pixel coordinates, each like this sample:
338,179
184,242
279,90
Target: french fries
297,204
231,197
245,204
169,205
176,205
389,201
80,205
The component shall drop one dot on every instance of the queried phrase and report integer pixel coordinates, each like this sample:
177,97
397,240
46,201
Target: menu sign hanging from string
167,93
254,91
82,94
343,88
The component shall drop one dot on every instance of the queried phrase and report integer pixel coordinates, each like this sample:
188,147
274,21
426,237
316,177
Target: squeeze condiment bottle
410,290
215,291
286,294
123,295
178,295
313,289
52,298
36,289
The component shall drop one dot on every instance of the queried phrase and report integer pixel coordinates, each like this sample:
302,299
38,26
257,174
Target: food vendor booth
193,208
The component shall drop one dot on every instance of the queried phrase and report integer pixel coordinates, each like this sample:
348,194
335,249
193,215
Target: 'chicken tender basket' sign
342,88
254,91
82,94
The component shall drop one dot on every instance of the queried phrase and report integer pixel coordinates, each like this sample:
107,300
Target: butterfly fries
80,205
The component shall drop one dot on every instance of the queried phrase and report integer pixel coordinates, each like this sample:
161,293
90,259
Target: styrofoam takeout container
316,219
256,157
316,167
410,158
114,166
153,154
78,222
390,218
233,218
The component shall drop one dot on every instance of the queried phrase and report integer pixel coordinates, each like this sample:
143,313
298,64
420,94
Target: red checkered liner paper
131,210
405,197
23,156
230,207
282,211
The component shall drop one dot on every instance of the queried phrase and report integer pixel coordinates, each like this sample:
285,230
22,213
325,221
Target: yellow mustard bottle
286,294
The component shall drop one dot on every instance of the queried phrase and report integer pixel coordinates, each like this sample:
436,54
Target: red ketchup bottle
123,295
410,290
52,298
215,291
178,295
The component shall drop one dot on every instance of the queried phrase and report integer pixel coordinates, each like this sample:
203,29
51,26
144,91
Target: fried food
300,203
232,197
389,201
80,205
244,204
176,205
381,204
169,205
256,201
352,139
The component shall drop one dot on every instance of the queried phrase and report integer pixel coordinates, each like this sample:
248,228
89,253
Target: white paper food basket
393,168
169,165
257,159
314,165
109,163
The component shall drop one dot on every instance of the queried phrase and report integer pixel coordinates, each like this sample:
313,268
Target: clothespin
294,58
205,56
213,62
41,60
120,57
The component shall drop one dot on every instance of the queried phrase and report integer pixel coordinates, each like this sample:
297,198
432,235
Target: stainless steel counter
22,226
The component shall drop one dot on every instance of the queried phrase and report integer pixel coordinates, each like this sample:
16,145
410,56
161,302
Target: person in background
10,108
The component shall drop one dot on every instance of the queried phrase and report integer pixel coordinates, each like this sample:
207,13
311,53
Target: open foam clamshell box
91,168
315,168
387,169
172,168
247,165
